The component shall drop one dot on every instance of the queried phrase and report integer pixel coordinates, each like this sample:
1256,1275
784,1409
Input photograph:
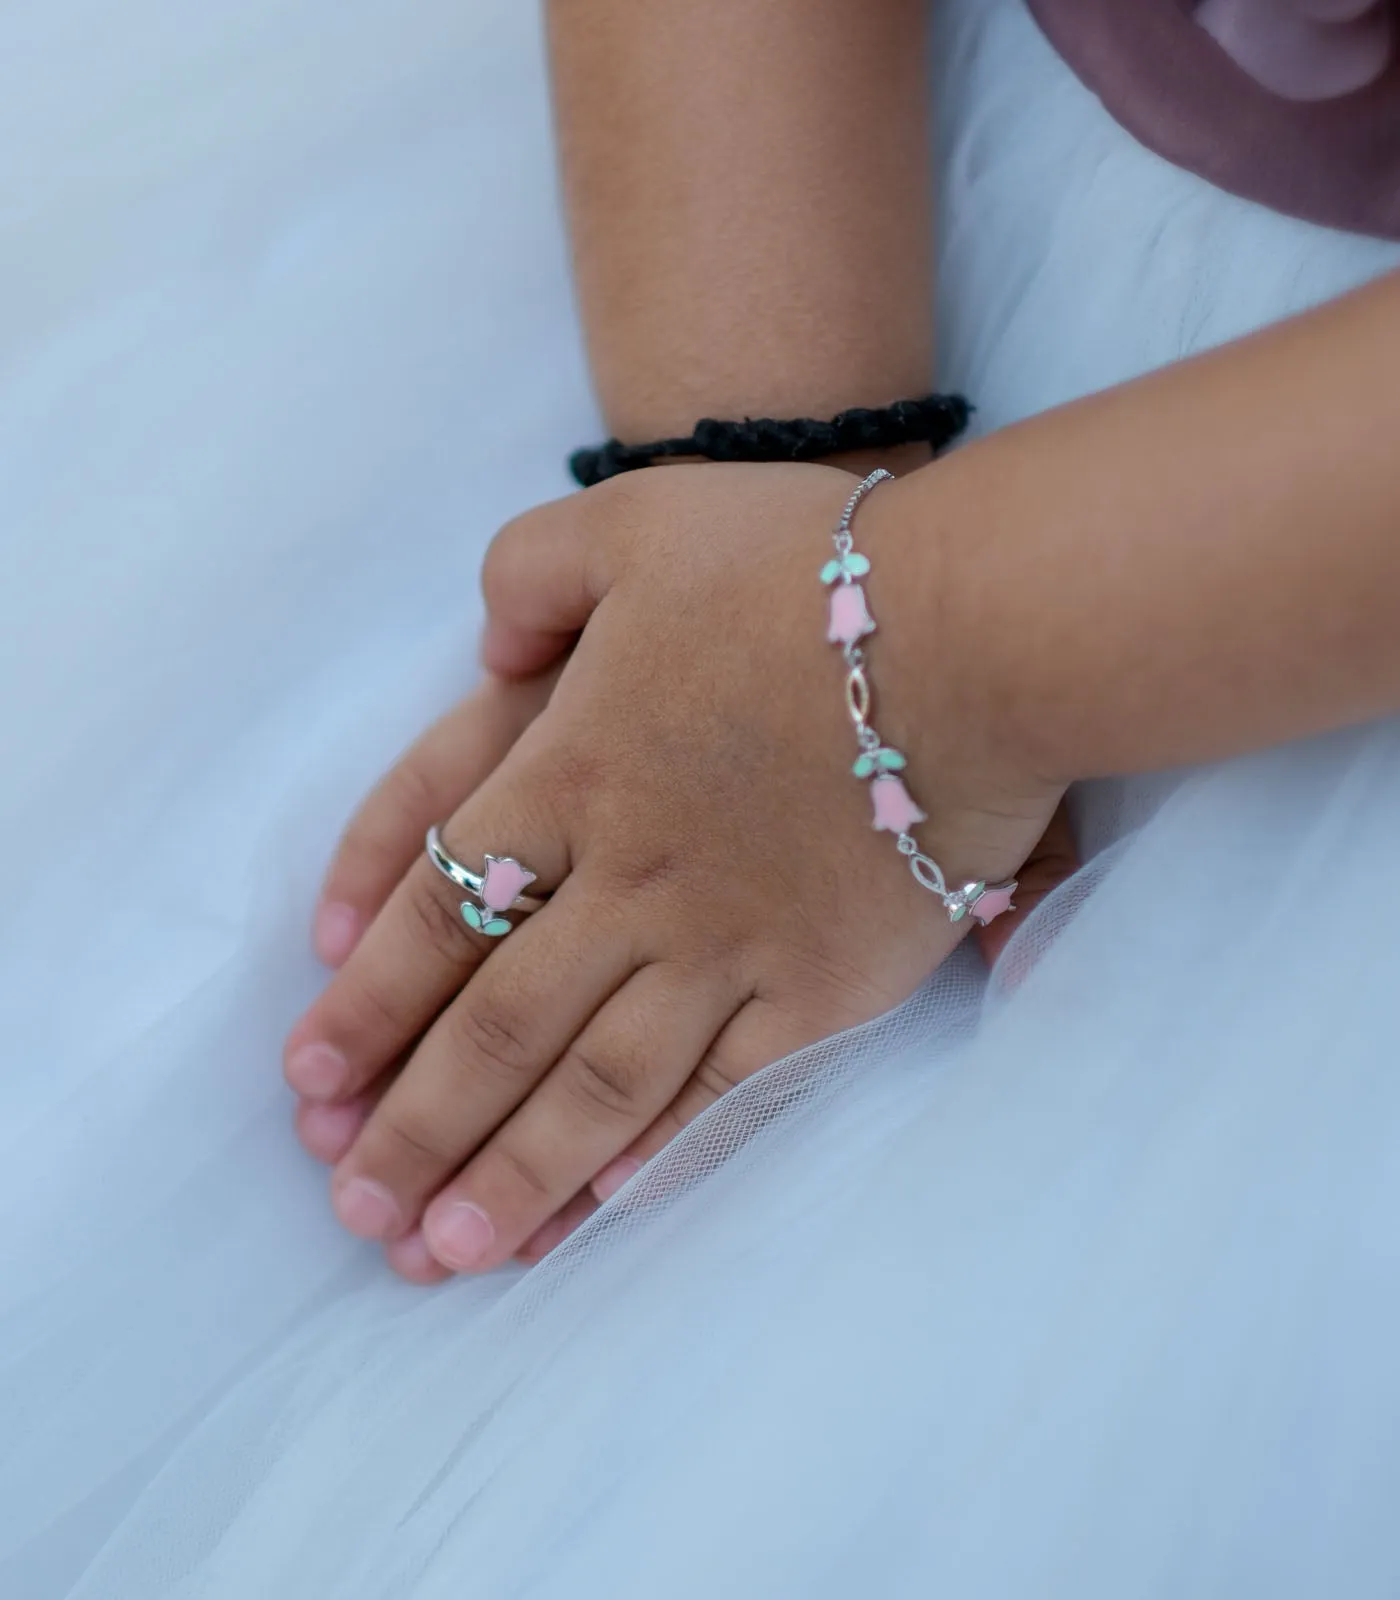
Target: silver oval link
858,696
929,873
858,702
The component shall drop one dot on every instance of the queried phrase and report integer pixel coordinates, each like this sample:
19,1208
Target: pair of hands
679,779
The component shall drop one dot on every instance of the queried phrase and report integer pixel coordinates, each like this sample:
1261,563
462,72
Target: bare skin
701,297
1183,568
1200,563
749,197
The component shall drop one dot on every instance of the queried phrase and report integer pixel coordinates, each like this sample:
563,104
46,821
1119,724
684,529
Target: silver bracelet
877,763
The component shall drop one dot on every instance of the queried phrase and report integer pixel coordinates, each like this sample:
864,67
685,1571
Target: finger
623,1067
327,1132
757,1036
516,654
419,952
427,784
1053,860
410,1257
543,576
481,1058
554,1232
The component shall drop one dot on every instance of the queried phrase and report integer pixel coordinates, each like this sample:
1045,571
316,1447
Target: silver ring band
473,882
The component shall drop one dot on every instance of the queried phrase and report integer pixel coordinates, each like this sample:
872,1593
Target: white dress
1087,1286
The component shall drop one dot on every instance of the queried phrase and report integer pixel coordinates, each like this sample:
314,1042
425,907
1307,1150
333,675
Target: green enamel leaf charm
957,913
851,565
865,765
491,925
891,761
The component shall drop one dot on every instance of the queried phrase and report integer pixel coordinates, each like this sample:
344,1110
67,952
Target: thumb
1053,860
543,575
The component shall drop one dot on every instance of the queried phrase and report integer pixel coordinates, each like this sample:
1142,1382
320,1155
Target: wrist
971,765
901,460
943,585
856,435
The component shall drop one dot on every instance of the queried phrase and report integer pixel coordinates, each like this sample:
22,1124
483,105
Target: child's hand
720,897
385,837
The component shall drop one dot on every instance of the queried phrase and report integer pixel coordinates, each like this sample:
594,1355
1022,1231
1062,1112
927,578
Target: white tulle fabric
1084,1284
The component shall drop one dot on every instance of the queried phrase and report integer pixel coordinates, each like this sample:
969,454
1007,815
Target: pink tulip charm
505,880
985,901
850,616
894,807
895,811
993,900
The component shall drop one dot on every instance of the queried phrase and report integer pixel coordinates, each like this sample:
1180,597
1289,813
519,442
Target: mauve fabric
1165,78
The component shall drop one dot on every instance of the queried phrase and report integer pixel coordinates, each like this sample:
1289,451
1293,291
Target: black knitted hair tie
936,420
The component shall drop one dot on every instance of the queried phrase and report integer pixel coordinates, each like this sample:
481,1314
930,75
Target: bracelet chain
878,763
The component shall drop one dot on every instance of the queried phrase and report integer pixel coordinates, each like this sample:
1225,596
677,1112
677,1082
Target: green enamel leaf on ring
496,927
856,564
865,765
831,571
891,761
471,916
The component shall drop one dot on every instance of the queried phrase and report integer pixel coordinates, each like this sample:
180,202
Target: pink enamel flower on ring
504,882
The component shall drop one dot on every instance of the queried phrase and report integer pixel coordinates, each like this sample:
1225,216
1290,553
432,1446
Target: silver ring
493,892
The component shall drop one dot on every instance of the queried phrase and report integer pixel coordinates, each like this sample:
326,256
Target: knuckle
408,1137
432,922
507,565
599,1083
374,845
368,851
497,567
646,869
374,1010
502,547
489,1037
408,792
578,771
523,1172
715,1077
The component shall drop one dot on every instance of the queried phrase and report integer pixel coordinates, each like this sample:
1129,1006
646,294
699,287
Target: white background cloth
1087,1290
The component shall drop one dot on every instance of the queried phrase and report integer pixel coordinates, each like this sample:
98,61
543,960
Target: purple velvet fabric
1294,103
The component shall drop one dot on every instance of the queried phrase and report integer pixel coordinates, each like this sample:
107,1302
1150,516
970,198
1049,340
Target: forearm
1183,568
748,191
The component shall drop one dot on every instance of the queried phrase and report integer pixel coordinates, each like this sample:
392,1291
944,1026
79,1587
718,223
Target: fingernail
461,1235
366,1208
327,1132
336,933
613,1176
317,1071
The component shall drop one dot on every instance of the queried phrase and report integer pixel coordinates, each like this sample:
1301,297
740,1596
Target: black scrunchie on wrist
935,420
